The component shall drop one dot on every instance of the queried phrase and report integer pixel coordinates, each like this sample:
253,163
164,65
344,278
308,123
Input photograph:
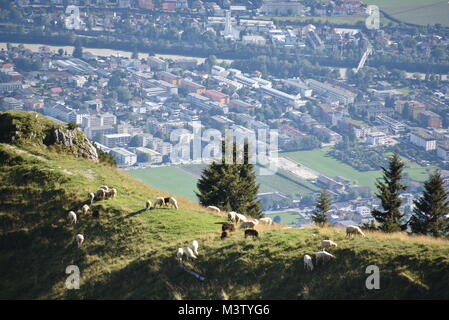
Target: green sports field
319,161
420,12
169,179
181,180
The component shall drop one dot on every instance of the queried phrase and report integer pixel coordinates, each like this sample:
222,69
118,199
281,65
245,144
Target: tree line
429,217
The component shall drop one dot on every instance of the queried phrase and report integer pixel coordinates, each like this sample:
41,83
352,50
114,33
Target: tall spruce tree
429,215
231,186
78,50
390,218
322,206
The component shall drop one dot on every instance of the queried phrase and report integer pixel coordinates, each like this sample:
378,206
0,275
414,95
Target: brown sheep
227,226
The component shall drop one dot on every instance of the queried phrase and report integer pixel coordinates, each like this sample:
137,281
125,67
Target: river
107,52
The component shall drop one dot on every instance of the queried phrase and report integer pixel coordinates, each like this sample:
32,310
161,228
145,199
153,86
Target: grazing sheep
323,255
85,209
159,202
92,197
190,254
224,234
328,244
308,265
227,226
195,247
79,239
214,208
147,204
266,221
232,216
72,217
173,202
100,194
166,201
112,193
251,233
240,217
179,254
350,230
248,224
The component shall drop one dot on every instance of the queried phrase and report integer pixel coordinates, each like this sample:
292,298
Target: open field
181,180
287,217
169,179
319,161
420,12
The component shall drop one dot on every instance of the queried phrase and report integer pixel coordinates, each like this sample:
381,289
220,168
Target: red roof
56,90
215,94
8,65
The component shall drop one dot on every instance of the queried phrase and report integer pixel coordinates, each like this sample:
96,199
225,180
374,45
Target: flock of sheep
104,192
249,225
191,253
323,254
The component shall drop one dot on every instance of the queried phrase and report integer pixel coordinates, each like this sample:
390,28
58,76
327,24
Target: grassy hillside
129,253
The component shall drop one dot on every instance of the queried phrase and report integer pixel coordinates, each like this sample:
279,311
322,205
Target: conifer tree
322,206
429,215
78,50
230,186
390,218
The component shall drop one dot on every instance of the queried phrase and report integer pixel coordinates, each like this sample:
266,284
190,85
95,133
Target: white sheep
190,254
214,208
179,254
72,217
266,221
79,239
147,204
159,202
112,193
173,202
232,216
92,197
328,244
85,209
195,247
240,217
308,264
323,255
350,230
100,194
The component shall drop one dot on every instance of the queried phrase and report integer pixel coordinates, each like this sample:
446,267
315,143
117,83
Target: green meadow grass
129,252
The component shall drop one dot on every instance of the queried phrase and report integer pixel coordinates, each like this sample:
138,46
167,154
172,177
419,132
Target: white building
423,140
148,155
123,156
116,139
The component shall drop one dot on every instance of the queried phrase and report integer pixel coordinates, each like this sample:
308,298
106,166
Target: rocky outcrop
29,128
74,139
